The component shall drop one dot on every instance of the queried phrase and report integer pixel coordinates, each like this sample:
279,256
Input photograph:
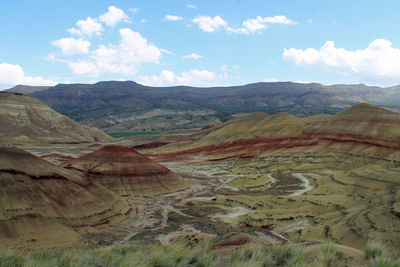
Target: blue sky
199,42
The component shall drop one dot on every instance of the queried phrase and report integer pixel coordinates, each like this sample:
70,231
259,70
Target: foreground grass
180,255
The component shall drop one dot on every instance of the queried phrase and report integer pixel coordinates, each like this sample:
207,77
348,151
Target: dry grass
177,254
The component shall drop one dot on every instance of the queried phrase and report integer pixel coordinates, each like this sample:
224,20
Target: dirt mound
26,120
42,204
127,172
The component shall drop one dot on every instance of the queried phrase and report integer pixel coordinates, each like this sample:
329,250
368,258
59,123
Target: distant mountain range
129,106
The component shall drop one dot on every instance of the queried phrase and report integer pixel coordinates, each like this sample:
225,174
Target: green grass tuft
373,249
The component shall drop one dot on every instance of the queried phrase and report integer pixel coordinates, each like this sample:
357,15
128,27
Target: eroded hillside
24,120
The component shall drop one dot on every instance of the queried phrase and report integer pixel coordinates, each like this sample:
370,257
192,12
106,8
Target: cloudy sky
199,42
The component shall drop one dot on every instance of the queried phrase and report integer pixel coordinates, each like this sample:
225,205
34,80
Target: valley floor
277,198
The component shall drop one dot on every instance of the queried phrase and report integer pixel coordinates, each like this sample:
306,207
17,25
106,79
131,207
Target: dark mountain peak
116,83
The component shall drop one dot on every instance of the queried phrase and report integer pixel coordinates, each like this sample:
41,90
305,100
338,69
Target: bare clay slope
42,204
361,128
126,172
26,120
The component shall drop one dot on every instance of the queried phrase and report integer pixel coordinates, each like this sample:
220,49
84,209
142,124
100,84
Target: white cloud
87,27
208,24
259,23
143,21
253,25
134,9
172,17
92,26
166,51
191,78
72,46
86,68
192,6
192,56
379,61
278,20
196,77
124,58
113,16
11,74
165,78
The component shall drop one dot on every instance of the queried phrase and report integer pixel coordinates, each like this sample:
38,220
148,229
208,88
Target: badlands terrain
270,179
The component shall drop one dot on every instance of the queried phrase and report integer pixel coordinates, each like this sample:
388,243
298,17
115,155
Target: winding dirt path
305,184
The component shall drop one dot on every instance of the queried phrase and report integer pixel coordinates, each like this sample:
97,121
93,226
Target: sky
199,42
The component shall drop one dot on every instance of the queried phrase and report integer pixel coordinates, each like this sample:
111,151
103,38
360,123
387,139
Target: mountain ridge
130,106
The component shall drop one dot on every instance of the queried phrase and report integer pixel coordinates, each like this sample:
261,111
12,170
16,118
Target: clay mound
361,129
42,204
126,172
363,121
26,120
